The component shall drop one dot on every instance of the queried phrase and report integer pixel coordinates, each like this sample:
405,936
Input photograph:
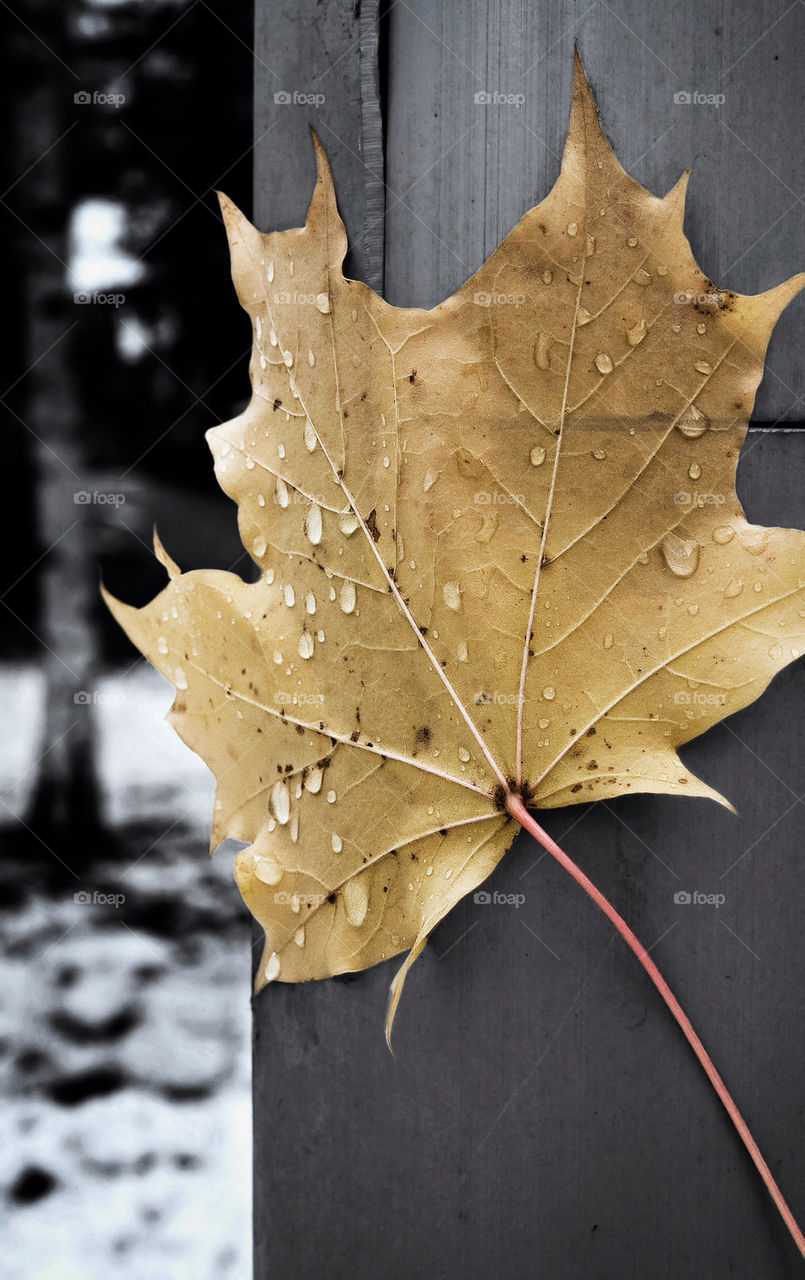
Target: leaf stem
517,809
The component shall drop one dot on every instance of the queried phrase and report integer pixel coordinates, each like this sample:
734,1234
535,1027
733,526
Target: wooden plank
543,1116
460,174
316,67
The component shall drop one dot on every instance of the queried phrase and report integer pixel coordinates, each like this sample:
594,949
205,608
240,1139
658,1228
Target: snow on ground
144,767
124,1022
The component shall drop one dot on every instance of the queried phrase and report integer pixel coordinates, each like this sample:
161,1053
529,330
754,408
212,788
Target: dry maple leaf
477,559
502,561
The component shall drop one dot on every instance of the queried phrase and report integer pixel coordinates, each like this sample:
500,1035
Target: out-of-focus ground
124,1024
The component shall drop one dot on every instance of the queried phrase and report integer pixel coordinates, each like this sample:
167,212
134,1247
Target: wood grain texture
460,173
543,1116
316,67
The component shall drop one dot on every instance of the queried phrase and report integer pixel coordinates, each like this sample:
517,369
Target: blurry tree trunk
65,807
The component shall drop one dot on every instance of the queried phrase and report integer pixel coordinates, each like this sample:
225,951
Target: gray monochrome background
543,1116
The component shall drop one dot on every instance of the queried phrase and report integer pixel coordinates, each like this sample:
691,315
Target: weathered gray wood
460,174
316,66
543,1116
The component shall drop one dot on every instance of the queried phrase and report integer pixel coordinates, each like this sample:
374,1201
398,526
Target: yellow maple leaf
500,549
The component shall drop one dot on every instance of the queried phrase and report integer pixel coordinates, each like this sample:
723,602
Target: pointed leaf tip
582,90
228,207
398,982
586,141
238,226
777,299
322,212
678,192
579,74
323,170
324,191
167,562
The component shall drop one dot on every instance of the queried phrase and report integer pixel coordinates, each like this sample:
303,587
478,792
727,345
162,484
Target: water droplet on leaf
356,902
723,534
637,333
680,554
280,801
755,541
692,423
313,525
542,351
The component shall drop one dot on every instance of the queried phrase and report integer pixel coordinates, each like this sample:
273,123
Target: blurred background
125,953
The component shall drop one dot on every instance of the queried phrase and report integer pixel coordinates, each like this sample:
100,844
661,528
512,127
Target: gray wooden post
542,1116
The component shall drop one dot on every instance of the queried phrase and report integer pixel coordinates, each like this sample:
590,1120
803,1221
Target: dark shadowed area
125,955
